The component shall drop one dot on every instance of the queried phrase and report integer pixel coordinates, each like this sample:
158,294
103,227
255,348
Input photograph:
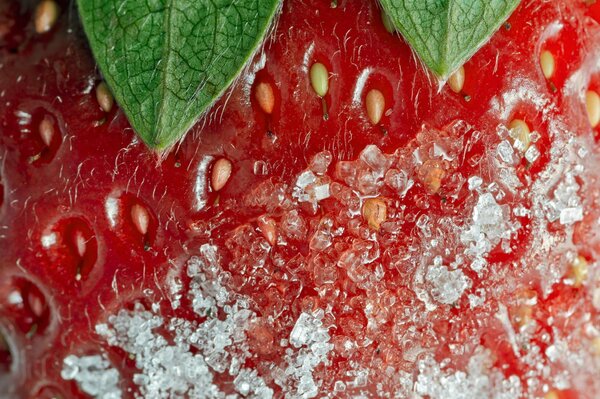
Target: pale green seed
319,79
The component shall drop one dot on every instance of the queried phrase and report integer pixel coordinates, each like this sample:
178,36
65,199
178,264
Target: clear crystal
506,152
532,154
447,286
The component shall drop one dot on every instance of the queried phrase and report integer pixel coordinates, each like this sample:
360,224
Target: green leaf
446,33
168,61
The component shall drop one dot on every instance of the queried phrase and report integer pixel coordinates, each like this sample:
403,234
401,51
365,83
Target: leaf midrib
163,70
446,45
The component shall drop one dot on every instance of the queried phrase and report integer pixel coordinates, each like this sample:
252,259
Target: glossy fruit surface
290,247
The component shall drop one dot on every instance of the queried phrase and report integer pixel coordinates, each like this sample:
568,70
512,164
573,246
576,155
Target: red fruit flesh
419,257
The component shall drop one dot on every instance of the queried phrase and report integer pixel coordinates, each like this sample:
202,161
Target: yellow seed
220,173
140,218
547,63
46,14
456,81
551,395
580,270
319,79
592,103
522,314
596,346
387,22
519,131
375,103
265,97
374,212
104,97
46,130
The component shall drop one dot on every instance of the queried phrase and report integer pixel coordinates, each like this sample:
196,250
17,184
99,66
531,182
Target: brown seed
520,134
523,315
140,218
265,97
374,212
104,97
432,173
375,104
46,14
46,130
547,63
592,103
456,81
220,173
268,228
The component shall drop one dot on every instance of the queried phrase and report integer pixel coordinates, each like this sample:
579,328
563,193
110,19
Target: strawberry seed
456,81
547,63
520,134
579,270
104,97
265,97
592,103
375,104
140,218
46,14
46,130
221,173
319,79
374,212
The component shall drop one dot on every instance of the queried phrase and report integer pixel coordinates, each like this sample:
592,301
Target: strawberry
338,225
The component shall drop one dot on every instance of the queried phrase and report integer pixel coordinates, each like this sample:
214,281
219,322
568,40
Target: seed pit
560,46
377,100
47,392
6,356
132,219
72,248
44,136
144,224
24,304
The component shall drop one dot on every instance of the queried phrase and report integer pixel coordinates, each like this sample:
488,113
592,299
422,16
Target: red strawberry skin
475,287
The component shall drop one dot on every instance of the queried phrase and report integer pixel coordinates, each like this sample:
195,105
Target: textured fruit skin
50,195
